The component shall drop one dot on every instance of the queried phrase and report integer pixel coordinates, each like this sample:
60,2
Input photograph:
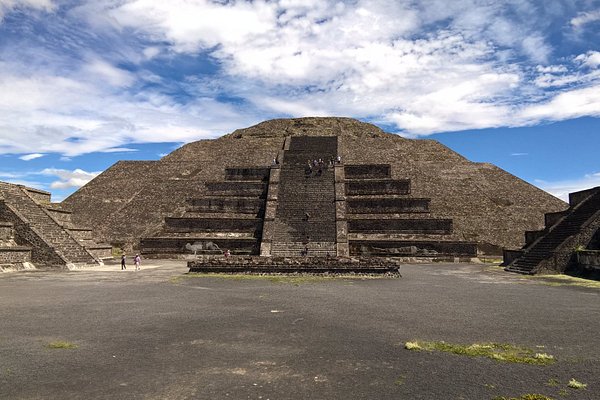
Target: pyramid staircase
552,248
305,216
47,228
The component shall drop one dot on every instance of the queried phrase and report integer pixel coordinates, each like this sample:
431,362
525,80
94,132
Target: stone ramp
52,243
552,248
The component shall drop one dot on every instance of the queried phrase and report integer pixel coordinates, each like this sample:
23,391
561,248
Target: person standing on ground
123,266
137,260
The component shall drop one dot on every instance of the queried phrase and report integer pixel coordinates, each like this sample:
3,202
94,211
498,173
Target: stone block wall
367,171
378,187
41,253
426,226
6,231
40,196
15,255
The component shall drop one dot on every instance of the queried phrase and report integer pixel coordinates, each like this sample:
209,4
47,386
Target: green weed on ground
553,382
527,396
496,351
400,381
61,344
575,384
563,280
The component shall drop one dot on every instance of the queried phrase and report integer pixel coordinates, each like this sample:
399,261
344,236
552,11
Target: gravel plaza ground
162,334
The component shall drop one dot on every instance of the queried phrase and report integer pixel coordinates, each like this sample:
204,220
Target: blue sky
84,84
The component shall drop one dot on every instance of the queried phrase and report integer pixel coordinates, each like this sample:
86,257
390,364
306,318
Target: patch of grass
564,280
528,396
552,382
491,260
61,344
563,392
400,381
412,346
575,384
496,351
276,278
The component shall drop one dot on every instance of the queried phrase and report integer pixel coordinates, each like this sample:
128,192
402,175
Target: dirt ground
162,334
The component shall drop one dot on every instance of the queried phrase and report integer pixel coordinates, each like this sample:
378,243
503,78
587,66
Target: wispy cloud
11,175
29,157
519,154
9,5
119,150
584,18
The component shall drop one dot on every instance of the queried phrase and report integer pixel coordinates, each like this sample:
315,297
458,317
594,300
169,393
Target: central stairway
305,216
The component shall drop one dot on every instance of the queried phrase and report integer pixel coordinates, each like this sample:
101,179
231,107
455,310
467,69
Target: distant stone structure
570,240
252,192
35,230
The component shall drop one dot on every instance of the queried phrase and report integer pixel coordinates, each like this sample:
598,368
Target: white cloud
80,114
32,156
561,189
69,179
566,105
425,67
519,154
151,52
551,69
119,150
584,18
590,59
192,25
11,175
537,48
8,5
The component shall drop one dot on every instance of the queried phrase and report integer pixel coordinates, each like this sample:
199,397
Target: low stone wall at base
318,265
100,251
589,259
15,255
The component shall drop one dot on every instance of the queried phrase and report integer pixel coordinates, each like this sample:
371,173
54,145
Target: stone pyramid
253,192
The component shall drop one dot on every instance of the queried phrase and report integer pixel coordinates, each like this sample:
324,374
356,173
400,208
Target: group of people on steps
319,165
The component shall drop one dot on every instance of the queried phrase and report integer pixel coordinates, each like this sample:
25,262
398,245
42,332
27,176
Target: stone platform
318,265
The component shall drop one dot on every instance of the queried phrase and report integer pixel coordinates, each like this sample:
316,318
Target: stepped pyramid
33,229
554,248
389,196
